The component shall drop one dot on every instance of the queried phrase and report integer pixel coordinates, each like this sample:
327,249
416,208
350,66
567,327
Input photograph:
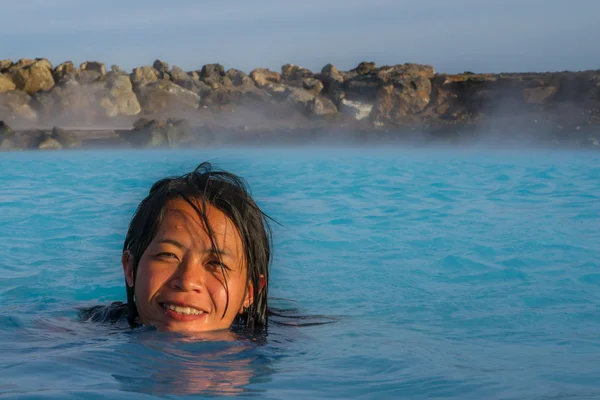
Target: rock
16,106
143,76
66,138
63,69
5,130
403,98
213,75
22,62
5,65
291,72
146,133
331,77
539,95
30,140
196,86
239,78
50,144
356,109
120,98
276,91
7,141
312,85
33,77
321,107
165,96
362,87
235,95
298,97
88,77
333,83
178,132
93,66
161,66
116,69
404,71
6,84
212,72
263,77
364,68
179,75
73,102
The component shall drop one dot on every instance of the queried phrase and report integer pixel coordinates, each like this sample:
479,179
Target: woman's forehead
180,217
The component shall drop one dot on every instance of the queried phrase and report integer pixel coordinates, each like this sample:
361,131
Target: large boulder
6,84
94,66
322,107
362,87
179,75
33,77
5,130
21,63
143,76
66,138
403,99
213,75
165,96
312,85
63,69
25,140
195,86
50,144
162,68
292,72
178,132
300,98
333,83
15,105
235,95
239,78
364,68
146,133
263,77
7,137
5,65
76,99
212,71
155,133
119,98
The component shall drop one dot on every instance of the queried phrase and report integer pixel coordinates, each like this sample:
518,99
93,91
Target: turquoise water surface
450,273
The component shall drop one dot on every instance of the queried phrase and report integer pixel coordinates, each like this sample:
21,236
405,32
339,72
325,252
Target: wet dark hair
228,193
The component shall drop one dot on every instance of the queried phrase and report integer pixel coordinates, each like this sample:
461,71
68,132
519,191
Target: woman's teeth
184,310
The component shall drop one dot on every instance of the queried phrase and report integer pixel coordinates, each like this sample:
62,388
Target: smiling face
180,285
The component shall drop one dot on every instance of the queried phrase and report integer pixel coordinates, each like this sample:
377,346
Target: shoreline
159,105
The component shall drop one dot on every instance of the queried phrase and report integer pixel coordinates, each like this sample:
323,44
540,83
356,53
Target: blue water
452,273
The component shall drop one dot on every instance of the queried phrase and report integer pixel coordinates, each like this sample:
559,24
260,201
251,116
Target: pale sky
453,36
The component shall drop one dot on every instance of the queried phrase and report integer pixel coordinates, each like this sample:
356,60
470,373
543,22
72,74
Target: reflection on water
217,363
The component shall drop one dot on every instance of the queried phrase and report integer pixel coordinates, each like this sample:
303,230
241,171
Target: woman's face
180,285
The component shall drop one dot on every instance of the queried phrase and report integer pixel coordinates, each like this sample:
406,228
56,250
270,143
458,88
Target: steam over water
456,273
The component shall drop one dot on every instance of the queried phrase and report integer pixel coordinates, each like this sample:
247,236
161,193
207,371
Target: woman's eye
216,264
167,256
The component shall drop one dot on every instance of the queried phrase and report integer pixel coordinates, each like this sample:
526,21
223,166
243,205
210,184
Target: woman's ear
127,261
249,299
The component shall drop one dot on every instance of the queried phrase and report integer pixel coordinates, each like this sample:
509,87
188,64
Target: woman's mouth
182,313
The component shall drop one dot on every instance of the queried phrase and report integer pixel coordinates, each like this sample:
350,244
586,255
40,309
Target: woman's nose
189,276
